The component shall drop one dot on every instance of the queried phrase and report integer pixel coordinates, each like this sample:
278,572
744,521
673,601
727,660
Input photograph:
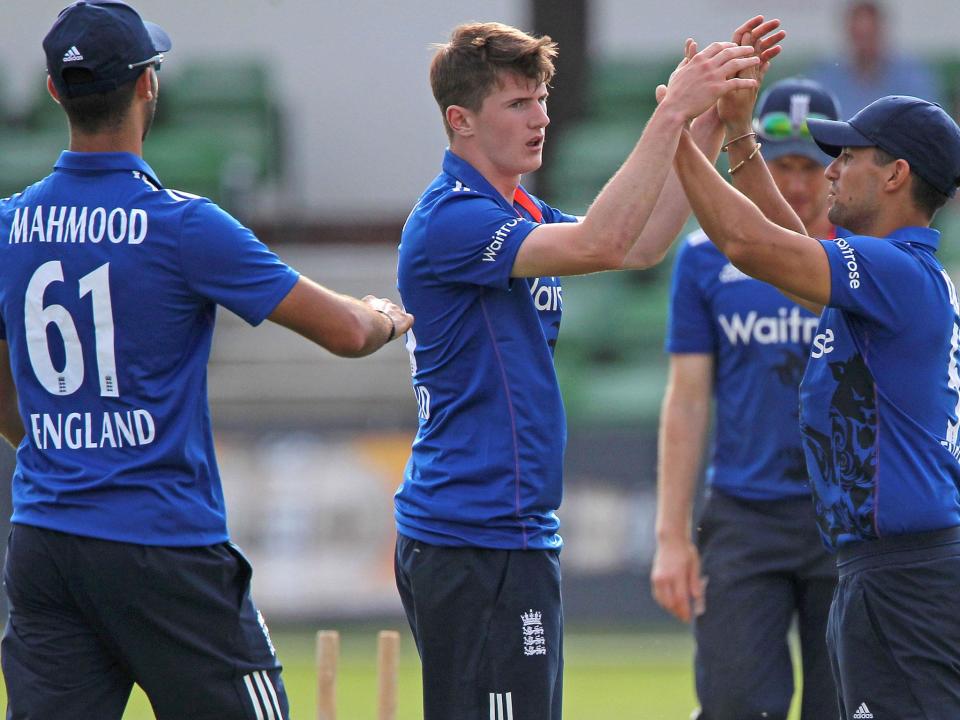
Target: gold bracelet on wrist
743,162
741,137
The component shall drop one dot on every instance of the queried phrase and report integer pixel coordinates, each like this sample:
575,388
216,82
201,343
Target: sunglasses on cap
780,126
156,61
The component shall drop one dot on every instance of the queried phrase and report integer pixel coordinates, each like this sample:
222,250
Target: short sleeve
223,261
471,238
870,277
689,323
552,215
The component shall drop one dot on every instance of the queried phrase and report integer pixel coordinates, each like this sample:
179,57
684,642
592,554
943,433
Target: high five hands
723,69
736,107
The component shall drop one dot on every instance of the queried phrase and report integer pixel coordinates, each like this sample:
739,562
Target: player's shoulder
448,204
181,203
15,208
171,198
698,257
452,195
696,246
27,195
850,244
696,238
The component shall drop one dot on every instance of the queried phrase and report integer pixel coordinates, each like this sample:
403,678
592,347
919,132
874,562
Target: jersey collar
458,168
917,236
106,161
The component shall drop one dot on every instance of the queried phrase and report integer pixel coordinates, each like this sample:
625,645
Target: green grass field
614,674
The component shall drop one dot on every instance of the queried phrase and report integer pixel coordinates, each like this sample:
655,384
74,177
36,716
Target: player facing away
743,345
119,568
880,396
480,262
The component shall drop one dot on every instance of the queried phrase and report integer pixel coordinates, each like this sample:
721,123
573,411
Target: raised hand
765,44
701,78
689,50
736,107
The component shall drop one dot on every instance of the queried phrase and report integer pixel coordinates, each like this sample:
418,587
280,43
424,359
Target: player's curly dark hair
925,196
96,112
465,69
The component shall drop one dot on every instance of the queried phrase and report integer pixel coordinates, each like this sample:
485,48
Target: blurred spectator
871,68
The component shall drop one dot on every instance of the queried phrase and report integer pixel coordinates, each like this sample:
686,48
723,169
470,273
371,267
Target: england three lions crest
533,640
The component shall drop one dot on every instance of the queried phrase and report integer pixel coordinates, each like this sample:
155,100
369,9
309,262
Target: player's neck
821,228
504,183
506,186
126,139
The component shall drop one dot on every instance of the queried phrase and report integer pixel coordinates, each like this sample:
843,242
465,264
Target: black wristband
393,327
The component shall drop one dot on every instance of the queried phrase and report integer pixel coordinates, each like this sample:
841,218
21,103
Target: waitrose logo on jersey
787,326
66,224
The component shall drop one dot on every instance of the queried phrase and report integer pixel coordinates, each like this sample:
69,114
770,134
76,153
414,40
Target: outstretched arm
11,426
684,418
342,324
789,260
751,175
620,212
672,209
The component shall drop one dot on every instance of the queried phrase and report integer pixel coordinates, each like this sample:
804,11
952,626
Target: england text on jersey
70,224
76,431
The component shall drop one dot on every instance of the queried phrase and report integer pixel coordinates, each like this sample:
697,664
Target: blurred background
313,122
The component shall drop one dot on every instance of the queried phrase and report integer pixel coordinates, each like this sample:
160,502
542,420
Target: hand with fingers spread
689,50
736,108
707,118
702,77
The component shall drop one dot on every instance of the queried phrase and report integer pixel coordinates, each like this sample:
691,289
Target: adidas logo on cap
863,713
72,55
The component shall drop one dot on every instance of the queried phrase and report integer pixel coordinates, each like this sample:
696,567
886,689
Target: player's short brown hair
465,69
96,112
924,195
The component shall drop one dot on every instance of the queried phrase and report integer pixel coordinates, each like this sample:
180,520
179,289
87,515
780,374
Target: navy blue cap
915,130
796,97
106,37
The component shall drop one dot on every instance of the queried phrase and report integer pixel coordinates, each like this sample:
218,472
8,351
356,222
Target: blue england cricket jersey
486,465
108,290
759,340
880,398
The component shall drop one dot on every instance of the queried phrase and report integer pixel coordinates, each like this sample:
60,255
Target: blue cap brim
834,135
773,149
161,41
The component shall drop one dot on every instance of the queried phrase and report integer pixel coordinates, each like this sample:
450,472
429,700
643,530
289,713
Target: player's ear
52,89
146,85
899,173
460,120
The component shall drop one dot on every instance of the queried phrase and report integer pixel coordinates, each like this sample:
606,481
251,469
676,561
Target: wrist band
743,162
745,135
393,327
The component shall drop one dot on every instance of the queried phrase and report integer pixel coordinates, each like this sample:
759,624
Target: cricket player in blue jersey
119,568
741,343
881,392
480,266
